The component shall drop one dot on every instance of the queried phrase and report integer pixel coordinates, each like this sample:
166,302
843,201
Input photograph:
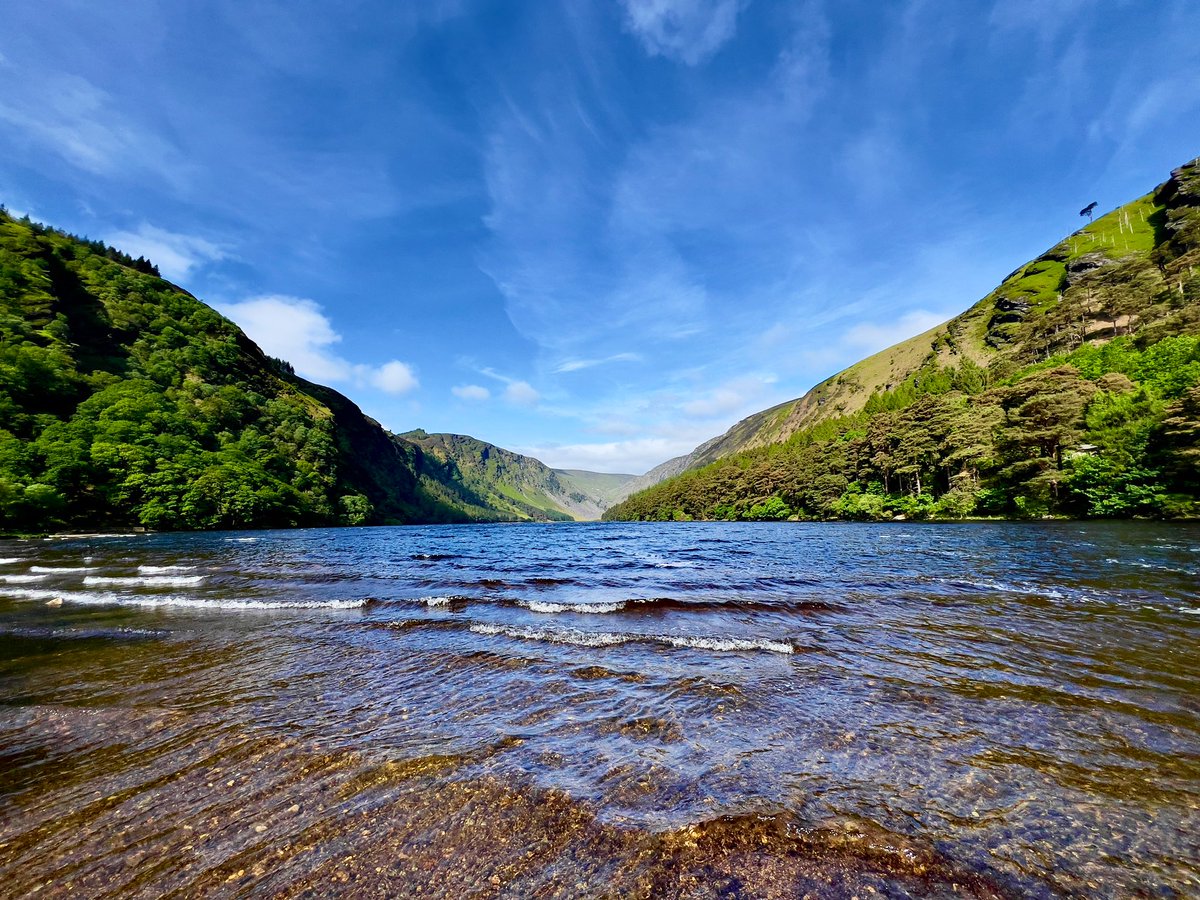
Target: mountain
605,488
125,401
1116,298
520,486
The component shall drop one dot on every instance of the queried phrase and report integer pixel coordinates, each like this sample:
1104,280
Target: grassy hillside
519,486
1069,388
125,401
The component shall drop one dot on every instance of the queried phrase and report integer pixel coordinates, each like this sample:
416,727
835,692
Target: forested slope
125,401
1071,388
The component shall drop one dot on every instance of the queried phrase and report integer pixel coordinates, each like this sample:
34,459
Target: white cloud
687,31
392,377
517,392
174,254
295,329
521,393
869,337
471,392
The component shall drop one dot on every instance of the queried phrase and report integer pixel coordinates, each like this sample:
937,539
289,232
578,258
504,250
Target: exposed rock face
1009,311
1083,265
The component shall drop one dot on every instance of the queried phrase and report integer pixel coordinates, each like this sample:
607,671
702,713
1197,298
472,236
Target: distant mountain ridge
519,485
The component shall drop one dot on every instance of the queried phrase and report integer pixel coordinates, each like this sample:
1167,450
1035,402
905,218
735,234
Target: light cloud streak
471,392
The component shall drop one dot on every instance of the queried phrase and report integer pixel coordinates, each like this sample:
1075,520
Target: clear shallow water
636,710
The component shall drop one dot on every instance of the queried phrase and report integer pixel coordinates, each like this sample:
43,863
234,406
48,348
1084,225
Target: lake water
691,710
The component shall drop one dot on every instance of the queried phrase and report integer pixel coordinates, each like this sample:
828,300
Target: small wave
241,540
1191,611
577,638
611,638
163,570
9,560
61,570
21,579
704,643
93,598
545,606
441,600
674,565
434,557
1005,587
145,580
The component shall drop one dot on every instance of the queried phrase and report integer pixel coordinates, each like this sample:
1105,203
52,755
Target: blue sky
597,232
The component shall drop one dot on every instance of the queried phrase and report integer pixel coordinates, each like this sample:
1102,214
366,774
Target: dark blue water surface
906,710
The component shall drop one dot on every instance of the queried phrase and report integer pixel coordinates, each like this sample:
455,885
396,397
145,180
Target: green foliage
771,510
125,401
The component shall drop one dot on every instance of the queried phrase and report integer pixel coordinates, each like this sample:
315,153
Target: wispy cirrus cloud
686,31
72,118
297,330
576,365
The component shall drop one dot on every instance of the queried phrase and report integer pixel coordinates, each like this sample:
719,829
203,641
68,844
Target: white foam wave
61,570
1005,587
611,638
705,643
547,606
106,598
568,636
21,579
9,560
674,565
163,570
1191,611
243,540
145,580
436,601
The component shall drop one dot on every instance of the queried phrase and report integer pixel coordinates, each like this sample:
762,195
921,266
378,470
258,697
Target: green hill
516,485
1070,388
125,401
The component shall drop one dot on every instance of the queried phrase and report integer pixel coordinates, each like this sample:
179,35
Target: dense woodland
125,402
1078,395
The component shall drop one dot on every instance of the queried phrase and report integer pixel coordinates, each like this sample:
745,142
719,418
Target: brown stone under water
217,813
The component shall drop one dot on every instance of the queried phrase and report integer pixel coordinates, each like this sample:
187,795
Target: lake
678,710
